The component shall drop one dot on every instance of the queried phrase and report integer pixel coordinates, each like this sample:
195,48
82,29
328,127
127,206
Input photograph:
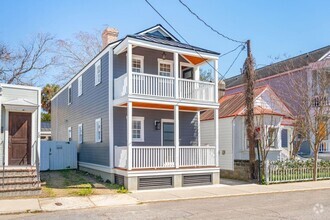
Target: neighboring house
134,112
46,131
271,116
281,77
20,142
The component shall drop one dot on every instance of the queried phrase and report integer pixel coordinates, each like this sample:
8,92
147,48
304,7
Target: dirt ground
74,183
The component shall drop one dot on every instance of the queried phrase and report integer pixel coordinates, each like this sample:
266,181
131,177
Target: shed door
19,152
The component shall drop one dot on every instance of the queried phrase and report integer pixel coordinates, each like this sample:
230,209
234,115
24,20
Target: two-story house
134,111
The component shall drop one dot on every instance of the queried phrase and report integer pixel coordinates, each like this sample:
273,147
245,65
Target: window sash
69,95
98,130
137,64
138,129
98,72
80,86
80,133
165,68
70,133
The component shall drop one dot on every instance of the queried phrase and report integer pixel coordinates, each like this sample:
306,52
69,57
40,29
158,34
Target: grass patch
117,187
49,191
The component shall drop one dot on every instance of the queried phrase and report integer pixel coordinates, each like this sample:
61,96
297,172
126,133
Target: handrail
153,75
196,81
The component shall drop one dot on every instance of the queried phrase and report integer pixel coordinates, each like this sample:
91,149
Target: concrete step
18,178
17,172
19,185
32,191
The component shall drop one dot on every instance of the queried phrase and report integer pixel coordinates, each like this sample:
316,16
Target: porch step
19,181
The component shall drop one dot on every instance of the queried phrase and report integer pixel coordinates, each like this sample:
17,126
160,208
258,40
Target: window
80,86
98,130
137,64
165,67
98,75
69,95
138,129
80,134
284,138
69,134
271,137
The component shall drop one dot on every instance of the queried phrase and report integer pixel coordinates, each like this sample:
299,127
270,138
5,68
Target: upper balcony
164,74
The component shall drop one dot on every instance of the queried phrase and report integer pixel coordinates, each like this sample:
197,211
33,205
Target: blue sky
276,28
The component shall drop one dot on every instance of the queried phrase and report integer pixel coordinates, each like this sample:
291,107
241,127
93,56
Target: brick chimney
221,88
109,35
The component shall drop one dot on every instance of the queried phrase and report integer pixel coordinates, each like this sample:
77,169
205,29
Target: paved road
293,205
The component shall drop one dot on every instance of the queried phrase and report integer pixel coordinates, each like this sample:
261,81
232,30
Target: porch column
176,74
129,68
176,135
129,135
216,139
216,80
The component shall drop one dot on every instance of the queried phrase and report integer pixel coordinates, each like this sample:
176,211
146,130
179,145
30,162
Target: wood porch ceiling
163,106
194,60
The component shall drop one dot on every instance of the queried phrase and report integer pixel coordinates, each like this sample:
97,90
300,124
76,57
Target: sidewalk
137,197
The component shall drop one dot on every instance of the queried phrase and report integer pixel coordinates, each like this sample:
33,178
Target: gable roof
234,104
297,62
158,27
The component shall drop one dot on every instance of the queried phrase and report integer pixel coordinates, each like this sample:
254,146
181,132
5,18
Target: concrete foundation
241,171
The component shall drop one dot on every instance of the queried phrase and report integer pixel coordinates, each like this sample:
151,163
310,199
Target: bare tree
74,54
299,135
28,63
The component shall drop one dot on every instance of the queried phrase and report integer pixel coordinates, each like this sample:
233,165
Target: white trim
6,139
98,140
91,63
111,133
140,119
70,94
162,30
19,86
168,62
98,76
160,172
80,85
141,59
324,56
80,131
161,127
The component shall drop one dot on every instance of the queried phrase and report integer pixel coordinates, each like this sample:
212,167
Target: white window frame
80,134
141,120
141,59
70,94
98,138
161,128
170,62
69,133
80,86
98,76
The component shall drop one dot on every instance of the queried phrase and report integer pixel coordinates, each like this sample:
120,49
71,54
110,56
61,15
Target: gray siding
188,127
150,60
92,104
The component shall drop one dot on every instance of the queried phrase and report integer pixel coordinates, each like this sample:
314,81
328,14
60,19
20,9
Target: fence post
267,171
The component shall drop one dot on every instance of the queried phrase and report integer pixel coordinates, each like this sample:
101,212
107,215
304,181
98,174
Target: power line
233,50
180,35
209,26
231,65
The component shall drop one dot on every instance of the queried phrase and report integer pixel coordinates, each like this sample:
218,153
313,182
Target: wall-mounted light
157,125
164,56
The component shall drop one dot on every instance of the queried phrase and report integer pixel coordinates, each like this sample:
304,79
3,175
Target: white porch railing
151,157
196,156
163,86
325,146
196,90
152,85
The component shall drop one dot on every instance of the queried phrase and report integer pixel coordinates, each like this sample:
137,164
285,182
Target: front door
168,134
19,149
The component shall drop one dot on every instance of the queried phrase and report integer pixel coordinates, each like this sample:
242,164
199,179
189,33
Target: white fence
280,174
196,90
148,157
58,155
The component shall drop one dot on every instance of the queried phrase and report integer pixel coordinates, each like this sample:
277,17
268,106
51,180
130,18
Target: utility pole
249,74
